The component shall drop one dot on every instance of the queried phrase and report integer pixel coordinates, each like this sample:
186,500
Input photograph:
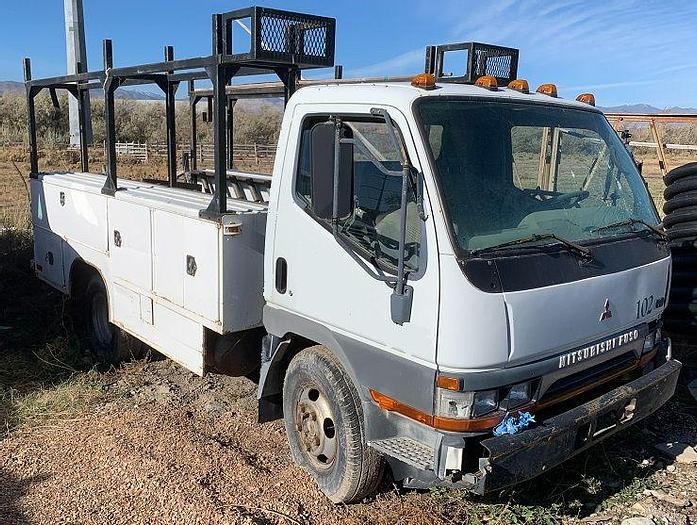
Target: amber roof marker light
586,98
424,81
548,89
487,82
520,85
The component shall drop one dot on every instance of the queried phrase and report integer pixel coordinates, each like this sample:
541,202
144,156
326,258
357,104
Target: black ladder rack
281,43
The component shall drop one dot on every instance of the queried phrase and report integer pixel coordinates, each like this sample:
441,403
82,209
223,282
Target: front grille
591,375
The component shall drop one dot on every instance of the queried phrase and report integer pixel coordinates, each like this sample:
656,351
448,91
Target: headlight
455,405
485,402
518,395
452,403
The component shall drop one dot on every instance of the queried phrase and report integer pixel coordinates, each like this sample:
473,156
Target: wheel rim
100,319
316,427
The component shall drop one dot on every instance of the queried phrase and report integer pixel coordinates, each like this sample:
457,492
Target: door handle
281,275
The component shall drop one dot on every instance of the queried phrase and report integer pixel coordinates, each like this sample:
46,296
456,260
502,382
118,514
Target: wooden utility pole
76,51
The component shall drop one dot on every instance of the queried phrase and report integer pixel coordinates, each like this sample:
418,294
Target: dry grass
46,381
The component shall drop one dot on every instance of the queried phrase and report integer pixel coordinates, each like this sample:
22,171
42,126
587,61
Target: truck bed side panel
76,215
169,332
130,243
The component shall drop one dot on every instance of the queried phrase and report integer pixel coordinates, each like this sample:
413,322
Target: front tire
324,422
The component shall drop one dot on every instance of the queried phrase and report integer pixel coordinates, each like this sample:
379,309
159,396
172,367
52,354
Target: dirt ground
150,443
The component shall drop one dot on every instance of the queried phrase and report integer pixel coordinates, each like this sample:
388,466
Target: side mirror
332,170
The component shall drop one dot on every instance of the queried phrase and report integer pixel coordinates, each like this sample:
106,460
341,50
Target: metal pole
219,76
170,109
662,162
31,121
77,58
109,121
219,121
83,98
193,102
230,137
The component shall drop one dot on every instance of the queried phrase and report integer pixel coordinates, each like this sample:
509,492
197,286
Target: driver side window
373,226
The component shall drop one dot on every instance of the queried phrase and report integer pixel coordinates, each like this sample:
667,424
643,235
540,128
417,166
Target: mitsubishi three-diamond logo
607,312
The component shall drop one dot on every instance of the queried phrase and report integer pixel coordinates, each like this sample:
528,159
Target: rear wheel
103,339
324,423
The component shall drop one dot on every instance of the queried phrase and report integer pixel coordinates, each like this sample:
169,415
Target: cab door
331,282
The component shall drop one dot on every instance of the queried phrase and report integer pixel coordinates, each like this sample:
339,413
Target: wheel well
297,344
271,386
270,403
80,273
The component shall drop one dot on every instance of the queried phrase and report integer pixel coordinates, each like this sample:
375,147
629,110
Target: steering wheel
567,200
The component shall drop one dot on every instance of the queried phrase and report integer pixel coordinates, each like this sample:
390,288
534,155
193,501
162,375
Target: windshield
509,171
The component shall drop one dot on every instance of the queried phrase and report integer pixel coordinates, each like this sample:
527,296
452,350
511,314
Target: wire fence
144,152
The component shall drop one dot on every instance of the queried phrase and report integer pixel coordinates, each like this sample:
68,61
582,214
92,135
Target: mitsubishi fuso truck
450,276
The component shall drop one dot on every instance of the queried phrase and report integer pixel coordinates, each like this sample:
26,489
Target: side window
373,226
303,181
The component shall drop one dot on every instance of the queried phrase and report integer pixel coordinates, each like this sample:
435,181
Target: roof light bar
548,89
520,85
586,98
487,82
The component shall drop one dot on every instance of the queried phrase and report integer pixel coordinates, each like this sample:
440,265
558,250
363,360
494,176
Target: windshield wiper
579,250
632,222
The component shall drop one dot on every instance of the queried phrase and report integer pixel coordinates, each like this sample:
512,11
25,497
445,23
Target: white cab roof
403,94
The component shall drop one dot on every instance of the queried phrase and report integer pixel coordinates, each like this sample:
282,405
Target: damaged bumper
519,457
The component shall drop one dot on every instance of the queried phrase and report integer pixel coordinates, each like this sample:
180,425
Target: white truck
459,281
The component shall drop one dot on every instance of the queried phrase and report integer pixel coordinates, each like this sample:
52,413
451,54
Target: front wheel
324,423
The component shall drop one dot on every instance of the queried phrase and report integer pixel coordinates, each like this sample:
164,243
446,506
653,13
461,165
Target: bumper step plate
407,450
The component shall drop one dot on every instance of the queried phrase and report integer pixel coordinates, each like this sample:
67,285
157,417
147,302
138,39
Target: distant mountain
137,94
10,86
646,108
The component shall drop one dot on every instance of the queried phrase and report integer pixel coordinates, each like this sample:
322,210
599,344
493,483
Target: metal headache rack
482,59
279,42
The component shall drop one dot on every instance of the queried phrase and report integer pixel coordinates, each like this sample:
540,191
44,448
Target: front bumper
418,454
519,457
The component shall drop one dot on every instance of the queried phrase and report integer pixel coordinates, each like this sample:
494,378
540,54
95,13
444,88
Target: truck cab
450,276
536,275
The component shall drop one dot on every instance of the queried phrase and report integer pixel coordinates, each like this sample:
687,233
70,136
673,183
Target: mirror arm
373,272
401,299
401,277
337,160
419,192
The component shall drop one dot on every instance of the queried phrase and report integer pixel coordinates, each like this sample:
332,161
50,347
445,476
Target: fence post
256,154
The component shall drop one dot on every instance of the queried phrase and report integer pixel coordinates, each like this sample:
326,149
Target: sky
623,51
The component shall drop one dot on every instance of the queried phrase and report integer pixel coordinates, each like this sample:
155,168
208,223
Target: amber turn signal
424,81
548,89
441,423
586,98
449,383
519,85
487,82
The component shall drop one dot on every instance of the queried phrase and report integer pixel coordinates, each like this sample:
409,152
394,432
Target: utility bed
173,273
